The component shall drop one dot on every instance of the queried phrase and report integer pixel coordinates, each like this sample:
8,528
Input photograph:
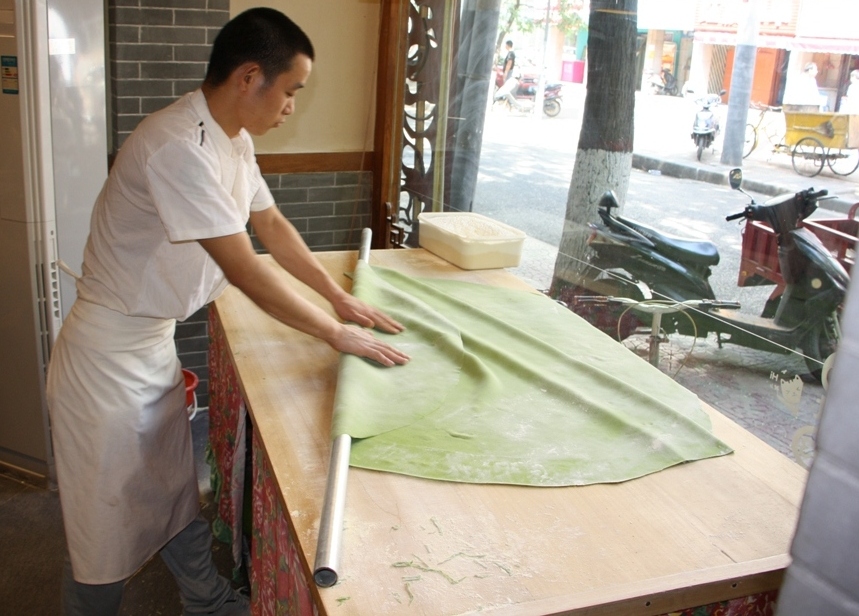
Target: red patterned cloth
278,583
754,605
226,450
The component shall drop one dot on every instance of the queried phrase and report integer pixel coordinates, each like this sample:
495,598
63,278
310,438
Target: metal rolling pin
334,506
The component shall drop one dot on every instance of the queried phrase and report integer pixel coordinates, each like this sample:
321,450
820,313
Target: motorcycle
664,83
634,261
705,127
523,93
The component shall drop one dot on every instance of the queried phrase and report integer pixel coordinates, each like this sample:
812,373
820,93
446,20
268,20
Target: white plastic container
470,241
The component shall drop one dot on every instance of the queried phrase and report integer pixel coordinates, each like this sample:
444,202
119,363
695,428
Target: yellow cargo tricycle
817,138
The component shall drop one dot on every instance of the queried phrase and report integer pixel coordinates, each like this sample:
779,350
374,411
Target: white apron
122,440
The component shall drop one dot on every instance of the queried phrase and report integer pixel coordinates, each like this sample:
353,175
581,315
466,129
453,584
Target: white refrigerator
53,162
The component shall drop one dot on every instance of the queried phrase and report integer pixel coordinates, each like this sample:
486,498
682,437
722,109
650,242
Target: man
509,60
850,100
803,89
167,233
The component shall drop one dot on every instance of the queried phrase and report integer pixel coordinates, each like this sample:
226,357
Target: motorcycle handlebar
811,196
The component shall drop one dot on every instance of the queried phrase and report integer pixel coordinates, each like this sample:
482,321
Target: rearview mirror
735,178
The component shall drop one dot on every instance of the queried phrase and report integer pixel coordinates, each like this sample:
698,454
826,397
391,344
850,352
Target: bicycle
772,130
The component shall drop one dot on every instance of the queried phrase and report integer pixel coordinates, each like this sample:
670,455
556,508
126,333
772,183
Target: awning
798,43
827,45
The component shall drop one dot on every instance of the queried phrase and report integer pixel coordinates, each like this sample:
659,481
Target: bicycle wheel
808,157
774,129
751,141
843,162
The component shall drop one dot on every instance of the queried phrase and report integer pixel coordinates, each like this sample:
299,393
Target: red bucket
191,382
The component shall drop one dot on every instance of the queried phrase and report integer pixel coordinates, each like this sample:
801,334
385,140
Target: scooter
631,260
552,99
706,124
524,92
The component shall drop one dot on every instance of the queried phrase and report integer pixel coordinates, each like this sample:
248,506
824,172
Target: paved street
526,166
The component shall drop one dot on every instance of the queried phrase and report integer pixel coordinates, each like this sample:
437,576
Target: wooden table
698,534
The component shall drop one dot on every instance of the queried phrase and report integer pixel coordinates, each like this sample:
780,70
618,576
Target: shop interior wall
334,113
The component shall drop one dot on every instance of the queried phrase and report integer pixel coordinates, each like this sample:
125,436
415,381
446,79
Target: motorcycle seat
699,252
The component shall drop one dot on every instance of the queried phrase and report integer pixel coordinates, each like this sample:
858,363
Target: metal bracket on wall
395,232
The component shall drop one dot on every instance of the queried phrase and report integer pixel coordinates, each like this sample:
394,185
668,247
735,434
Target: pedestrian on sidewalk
509,61
850,100
802,90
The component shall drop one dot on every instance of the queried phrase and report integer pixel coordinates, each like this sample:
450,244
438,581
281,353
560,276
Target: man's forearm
287,247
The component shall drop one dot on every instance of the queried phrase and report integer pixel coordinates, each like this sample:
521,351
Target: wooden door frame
388,137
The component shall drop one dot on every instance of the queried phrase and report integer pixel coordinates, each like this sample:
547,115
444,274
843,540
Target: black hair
262,35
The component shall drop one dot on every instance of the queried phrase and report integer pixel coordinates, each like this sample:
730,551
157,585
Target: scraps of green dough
507,386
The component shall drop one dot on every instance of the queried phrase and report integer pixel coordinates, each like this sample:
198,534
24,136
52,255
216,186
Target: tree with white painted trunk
604,154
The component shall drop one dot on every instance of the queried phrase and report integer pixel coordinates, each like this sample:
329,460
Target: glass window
611,147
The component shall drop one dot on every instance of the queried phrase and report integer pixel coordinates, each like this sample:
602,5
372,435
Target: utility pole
742,77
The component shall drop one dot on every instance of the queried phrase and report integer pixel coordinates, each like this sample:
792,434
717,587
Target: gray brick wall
328,209
158,51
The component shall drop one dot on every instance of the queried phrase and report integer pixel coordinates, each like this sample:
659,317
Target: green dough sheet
507,386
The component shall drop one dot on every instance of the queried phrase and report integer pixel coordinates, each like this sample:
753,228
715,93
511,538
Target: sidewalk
663,142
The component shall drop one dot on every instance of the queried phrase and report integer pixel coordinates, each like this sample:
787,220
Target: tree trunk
604,154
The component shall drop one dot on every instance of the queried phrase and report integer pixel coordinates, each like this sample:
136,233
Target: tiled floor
32,548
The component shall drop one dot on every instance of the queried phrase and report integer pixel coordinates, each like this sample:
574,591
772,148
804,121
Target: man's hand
292,254
357,341
349,308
